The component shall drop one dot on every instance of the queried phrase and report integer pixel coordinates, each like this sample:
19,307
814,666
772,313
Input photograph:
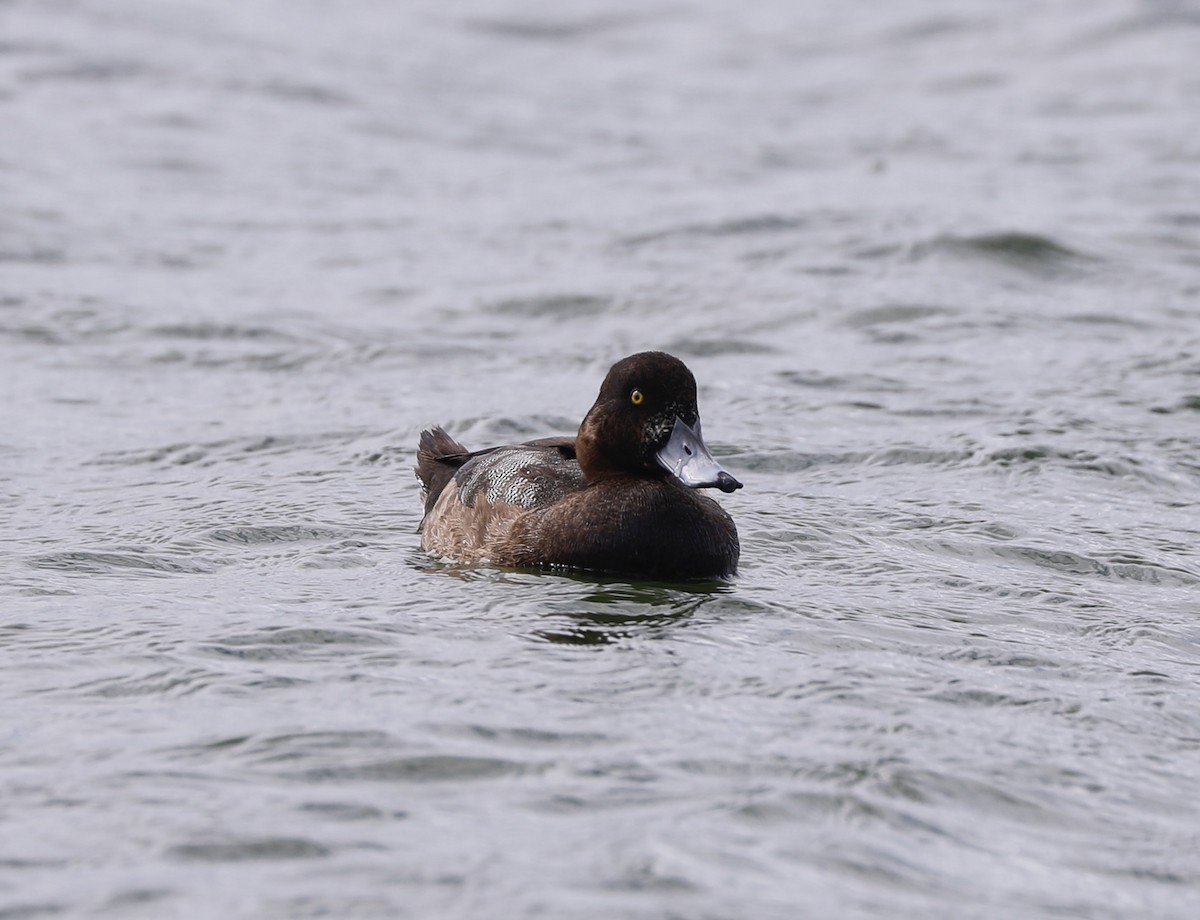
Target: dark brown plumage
612,499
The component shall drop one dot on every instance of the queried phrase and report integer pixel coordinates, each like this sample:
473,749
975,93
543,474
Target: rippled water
937,269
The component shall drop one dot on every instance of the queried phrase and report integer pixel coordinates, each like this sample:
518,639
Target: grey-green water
937,269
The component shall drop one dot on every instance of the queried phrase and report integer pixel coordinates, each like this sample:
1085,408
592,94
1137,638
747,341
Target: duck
621,497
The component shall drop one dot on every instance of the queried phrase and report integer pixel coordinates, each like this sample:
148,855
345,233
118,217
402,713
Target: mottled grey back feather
526,475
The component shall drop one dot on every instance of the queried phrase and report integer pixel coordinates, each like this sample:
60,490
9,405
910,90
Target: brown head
645,423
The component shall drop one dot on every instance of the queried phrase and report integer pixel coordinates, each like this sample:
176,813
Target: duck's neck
596,465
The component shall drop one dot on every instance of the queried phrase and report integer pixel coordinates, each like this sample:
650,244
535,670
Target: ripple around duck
1037,457
123,903
779,461
88,562
215,347
249,849
895,313
291,644
430,768
547,29
347,811
704,348
554,306
161,683
66,321
282,360
208,453
522,737
898,456
290,91
1029,252
1072,563
30,910
847,808
268,535
869,383
751,225
288,747
645,876
1189,403
222,332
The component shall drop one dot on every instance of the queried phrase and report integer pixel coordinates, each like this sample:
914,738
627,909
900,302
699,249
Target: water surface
935,267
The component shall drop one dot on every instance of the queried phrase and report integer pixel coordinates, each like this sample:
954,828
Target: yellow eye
637,397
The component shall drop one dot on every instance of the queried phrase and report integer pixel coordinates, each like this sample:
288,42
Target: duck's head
645,423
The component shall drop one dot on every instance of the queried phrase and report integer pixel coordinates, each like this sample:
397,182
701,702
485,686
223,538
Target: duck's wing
470,516
531,475
547,464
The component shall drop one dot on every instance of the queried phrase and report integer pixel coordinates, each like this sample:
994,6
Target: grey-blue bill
688,459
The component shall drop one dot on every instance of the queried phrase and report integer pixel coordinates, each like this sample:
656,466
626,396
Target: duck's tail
438,457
